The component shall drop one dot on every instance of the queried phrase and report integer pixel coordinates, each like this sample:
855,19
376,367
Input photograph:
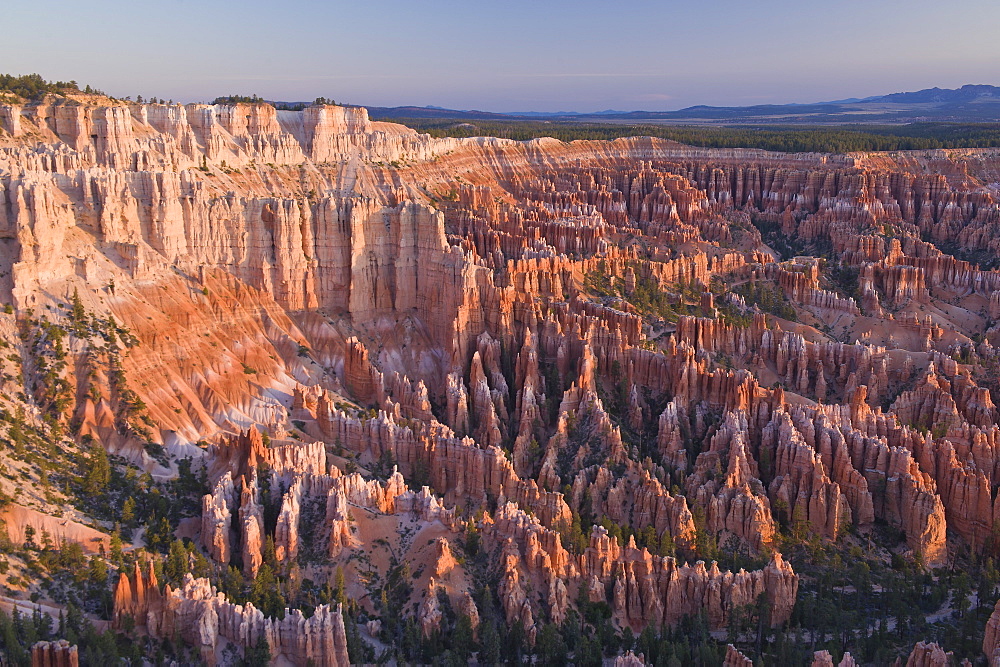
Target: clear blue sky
507,55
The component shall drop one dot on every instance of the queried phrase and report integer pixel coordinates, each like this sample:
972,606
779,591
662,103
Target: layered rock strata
569,333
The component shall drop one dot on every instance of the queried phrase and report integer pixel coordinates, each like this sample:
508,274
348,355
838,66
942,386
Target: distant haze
542,55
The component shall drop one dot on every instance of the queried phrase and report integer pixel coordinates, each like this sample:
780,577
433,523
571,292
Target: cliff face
991,640
592,353
645,589
54,654
202,617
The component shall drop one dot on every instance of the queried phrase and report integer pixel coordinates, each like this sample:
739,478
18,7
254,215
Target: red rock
137,596
216,519
467,317
824,659
201,616
929,655
430,614
251,521
735,658
445,561
991,639
54,654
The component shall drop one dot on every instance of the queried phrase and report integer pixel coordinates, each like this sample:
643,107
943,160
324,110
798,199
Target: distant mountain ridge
967,93
971,103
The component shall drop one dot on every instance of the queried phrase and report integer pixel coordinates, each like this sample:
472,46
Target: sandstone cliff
569,334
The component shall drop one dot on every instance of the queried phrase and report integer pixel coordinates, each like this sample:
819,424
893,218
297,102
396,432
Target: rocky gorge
408,391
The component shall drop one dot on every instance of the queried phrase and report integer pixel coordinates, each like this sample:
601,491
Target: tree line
798,139
33,87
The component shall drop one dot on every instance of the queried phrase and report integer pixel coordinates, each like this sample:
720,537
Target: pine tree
97,471
177,562
269,554
128,511
259,655
78,315
491,649
339,587
116,554
462,640
97,571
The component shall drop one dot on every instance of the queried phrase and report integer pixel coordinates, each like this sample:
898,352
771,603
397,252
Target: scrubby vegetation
768,297
280,106
32,87
647,298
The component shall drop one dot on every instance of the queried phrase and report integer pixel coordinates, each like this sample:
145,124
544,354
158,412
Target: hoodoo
300,387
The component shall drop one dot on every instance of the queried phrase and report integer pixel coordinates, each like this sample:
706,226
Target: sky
507,55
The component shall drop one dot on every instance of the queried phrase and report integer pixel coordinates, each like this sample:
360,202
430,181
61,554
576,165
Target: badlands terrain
296,387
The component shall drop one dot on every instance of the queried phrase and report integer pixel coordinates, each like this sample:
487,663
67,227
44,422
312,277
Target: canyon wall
608,358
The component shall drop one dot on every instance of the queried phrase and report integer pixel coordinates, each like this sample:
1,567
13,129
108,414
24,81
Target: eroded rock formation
202,617
571,335
54,654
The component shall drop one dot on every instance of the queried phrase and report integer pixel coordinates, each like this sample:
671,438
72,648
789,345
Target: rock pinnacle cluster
432,390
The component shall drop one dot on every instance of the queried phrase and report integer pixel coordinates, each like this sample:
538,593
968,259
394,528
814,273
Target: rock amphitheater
545,370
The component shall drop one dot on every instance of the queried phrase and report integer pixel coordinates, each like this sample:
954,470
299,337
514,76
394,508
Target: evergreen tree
550,647
259,655
177,563
491,649
128,511
461,639
78,315
97,471
340,589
